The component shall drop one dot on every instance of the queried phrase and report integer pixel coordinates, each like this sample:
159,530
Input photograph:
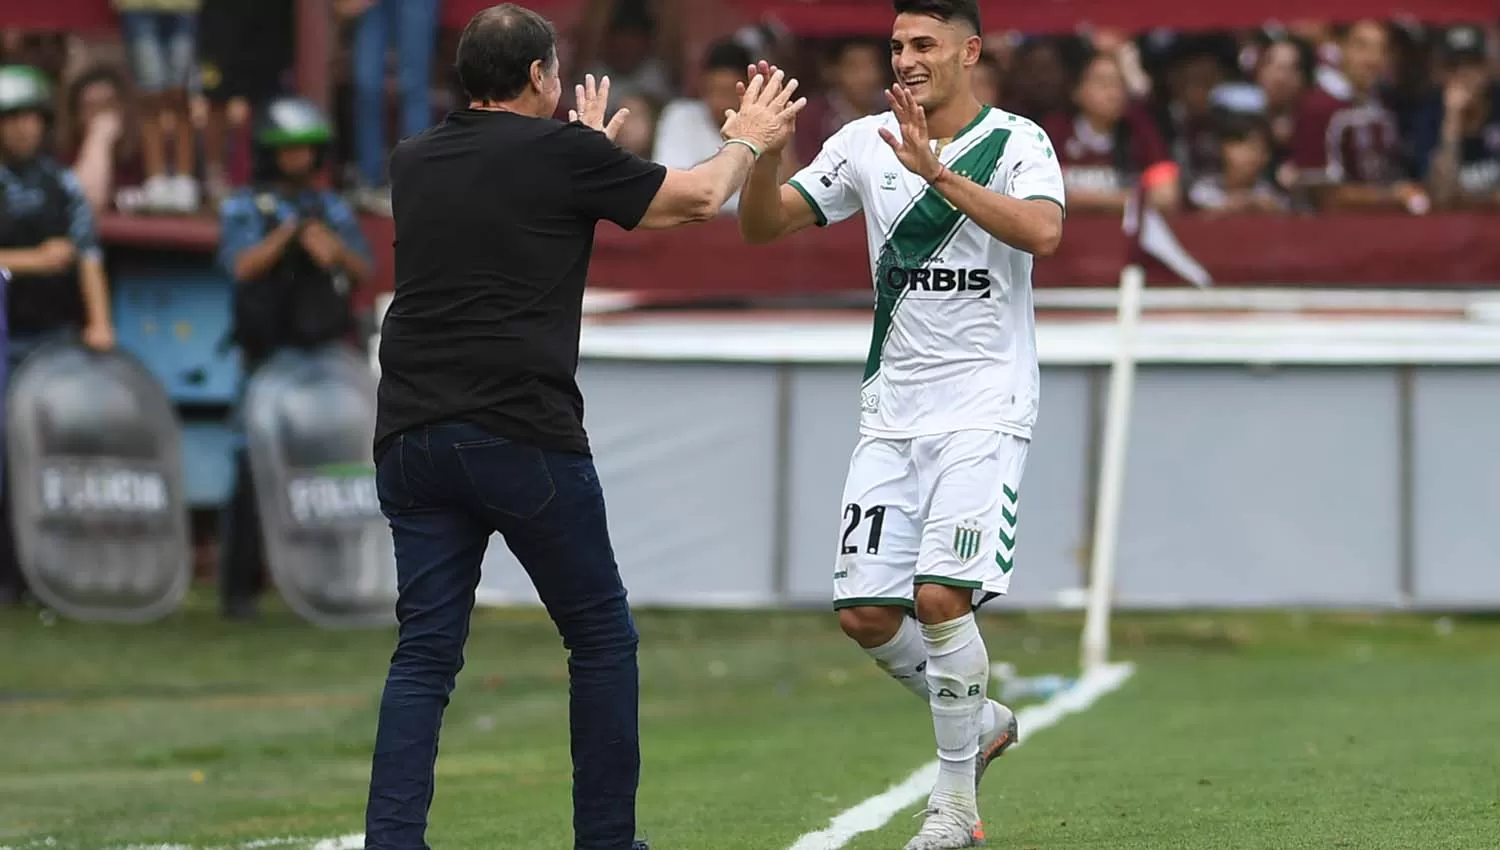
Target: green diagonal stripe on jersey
926,228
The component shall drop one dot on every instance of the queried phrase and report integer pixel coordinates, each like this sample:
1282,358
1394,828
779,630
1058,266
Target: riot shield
97,500
309,424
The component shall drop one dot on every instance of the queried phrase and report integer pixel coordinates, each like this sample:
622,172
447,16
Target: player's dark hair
727,55
496,51
944,10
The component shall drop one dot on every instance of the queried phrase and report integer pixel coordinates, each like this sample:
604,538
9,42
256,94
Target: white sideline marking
870,815
878,810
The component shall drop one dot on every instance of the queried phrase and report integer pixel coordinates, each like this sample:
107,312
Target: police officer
296,253
50,259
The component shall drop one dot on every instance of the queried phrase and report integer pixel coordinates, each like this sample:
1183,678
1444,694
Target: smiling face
934,59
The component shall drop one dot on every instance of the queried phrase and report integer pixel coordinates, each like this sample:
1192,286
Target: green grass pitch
1238,731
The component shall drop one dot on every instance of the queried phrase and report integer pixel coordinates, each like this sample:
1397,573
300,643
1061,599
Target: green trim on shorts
874,602
948,582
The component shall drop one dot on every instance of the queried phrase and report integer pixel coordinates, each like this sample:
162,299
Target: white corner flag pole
1157,240
1101,586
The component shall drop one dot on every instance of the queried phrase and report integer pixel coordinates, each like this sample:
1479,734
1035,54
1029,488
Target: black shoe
640,845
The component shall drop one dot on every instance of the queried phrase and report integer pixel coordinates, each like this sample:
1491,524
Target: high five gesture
914,147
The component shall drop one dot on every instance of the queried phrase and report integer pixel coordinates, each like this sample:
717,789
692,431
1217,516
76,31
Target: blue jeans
445,489
413,23
162,48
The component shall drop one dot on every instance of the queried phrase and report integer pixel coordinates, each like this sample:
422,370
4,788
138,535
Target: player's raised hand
591,101
767,112
914,147
763,68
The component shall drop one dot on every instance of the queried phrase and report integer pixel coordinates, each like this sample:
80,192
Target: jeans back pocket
508,477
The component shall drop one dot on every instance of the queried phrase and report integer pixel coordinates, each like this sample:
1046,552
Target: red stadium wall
1346,250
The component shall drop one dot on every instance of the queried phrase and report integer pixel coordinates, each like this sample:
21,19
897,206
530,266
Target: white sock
904,657
958,671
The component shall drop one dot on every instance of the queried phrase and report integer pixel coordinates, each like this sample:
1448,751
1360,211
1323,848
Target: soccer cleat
944,829
1005,736
640,845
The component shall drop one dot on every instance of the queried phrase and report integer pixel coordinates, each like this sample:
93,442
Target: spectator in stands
1196,67
856,79
636,43
246,48
1283,71
1457,145
688,132
412,26
296,253
1345,146
1240,180
100,139
988,80
1037,85
161,38
1106,143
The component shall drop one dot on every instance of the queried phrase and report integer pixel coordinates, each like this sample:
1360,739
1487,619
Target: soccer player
958,197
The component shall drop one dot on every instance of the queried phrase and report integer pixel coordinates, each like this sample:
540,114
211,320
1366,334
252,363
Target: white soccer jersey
954,341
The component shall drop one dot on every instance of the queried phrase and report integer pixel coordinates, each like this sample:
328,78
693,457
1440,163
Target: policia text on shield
51,264
480,426
295,252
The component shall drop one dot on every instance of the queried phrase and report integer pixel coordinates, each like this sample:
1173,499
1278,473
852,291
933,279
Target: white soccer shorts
929,510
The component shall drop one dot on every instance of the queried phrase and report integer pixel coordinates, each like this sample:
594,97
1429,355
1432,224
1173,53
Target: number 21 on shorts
854,516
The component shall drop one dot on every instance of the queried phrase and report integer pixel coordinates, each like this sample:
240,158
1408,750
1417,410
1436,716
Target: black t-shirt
495,215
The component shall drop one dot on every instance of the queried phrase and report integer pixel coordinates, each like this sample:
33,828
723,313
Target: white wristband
755,151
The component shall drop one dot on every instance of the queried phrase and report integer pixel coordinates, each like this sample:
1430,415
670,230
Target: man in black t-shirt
480,422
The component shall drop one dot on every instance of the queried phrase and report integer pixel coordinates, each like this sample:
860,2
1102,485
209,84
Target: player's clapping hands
913,148
767,112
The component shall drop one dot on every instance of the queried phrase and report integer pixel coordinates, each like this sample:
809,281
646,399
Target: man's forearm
354,264
1018,223
24,261
260,257
95,171
726,172
760,202
1354,196
1442,171
95,289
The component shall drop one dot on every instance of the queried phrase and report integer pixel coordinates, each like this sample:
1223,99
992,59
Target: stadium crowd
1312,117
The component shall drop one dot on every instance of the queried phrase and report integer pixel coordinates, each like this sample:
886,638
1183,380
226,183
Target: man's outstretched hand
768,72
767,112
591,102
